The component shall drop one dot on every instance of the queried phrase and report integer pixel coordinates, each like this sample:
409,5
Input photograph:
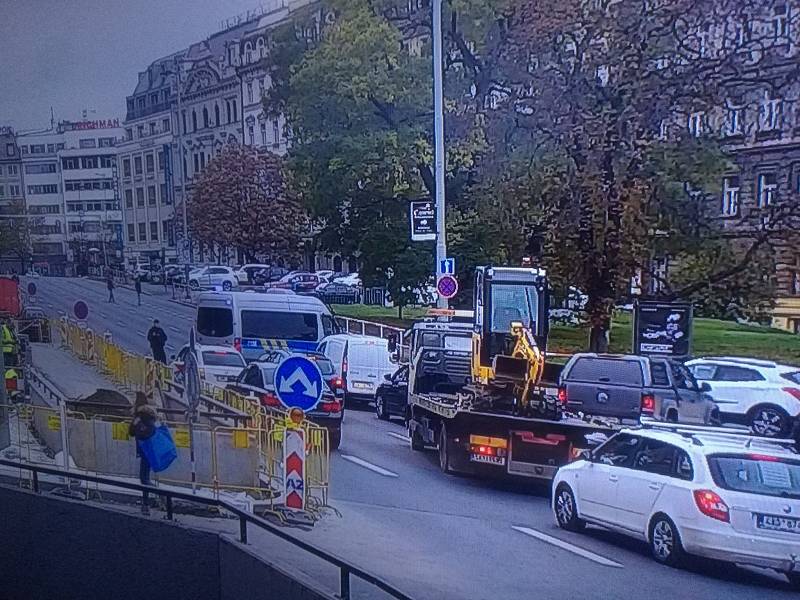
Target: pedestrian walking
110,286
158,339
138,286
141,428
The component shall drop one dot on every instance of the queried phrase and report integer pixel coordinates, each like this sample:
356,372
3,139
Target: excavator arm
524,366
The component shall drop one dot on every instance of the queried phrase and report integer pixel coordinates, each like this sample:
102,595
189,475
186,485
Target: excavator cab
511,314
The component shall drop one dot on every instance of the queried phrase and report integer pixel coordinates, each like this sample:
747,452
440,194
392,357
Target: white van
361,361
254,322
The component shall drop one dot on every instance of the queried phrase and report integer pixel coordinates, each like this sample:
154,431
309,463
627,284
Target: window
152,126
131,233
250,91
87,143
251,135
770,113
216,115
126,167
703,372
183,118
89,162
754,474
655,457
105,142
168,232
264,324
618,451
780,22
43,189
154,98
606,369
767,186
14,170
161,160
106,162
129,133
151,195
154,231
74,206
276,132
196,163
165,125
13,190
139,197
45,209
41,168
682,377
165,199
38,149
214,322
658,373
142,232
730,196
263,133
137,165
206,122
734,121
228,110
202,160
731,373
696,123
2,191
149,163
194,121
235,111
140,131
11,150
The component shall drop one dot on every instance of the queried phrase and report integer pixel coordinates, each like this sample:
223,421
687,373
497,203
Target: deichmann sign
97,124
423,221
662,328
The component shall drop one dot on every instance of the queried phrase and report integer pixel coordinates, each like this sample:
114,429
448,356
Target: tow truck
480,393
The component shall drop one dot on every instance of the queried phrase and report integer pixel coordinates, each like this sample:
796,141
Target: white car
690,491
213,277
353,280
761,394
218,365
246,273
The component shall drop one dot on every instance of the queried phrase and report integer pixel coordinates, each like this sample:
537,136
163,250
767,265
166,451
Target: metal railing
346,569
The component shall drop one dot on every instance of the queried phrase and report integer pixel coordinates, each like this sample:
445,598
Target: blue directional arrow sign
298,383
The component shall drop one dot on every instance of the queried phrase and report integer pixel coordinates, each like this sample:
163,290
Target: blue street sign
447,266
298,383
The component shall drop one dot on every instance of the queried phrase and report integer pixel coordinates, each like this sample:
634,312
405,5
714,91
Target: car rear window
325,365
793,377
273,325
222,359
755,474
611,370
214,322
368,354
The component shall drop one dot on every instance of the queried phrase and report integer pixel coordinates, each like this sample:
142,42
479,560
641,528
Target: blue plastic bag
159,449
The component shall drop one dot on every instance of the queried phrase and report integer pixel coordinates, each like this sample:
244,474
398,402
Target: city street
431,535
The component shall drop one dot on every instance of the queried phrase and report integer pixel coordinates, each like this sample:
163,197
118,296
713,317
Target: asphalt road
437,536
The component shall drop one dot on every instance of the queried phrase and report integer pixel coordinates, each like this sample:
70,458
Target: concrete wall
67,549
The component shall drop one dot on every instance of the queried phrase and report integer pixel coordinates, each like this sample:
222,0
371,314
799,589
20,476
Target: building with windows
12,202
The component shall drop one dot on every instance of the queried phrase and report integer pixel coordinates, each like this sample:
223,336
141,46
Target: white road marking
121,323
601,560
399,436
369,465
51,305
105,316
175,329
142,333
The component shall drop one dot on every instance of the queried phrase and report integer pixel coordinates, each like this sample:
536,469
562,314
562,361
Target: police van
255,322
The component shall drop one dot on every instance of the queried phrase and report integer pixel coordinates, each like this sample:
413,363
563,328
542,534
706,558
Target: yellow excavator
509,340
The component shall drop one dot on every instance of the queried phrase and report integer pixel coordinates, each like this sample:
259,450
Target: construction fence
238,446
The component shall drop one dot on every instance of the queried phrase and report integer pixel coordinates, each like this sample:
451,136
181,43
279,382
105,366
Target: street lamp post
438,134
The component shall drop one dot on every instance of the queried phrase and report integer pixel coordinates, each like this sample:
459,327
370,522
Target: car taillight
793,391
331,407
562,395
711,505
336,383
270,400
237,344
648,403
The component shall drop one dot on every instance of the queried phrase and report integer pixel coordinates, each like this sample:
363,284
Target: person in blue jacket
142,427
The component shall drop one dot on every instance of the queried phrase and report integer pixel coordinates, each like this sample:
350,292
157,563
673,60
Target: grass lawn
711,336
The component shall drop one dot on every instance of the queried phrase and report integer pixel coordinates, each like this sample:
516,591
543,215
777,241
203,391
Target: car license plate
491,460
774,523
361,386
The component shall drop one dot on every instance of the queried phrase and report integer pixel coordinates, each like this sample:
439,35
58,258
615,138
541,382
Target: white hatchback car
219,365
761,394
213,276
690,491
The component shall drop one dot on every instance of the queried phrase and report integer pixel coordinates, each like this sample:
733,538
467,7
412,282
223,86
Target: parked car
353,280
213,277
337,293
258,381
361,361
269,275
297,281
690,491
761,394
325,365
218,364
391,398
245,275
627,386
173,271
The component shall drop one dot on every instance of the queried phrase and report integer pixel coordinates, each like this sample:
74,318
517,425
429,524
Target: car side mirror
393,344
705,387
387,377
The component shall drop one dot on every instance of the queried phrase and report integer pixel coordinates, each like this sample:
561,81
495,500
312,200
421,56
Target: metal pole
5,424
438,134
183,171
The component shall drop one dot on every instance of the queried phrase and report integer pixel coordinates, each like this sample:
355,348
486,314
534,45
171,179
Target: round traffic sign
447,286
298,383
81,310
31,289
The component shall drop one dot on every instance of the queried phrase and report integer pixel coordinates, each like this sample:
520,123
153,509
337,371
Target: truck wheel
444,455
380,408
566,509
417,443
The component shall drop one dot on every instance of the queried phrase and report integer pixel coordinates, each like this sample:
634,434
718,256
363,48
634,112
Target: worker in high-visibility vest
10,345
11,381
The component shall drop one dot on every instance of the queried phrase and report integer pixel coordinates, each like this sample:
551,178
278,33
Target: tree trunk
400,311
598,338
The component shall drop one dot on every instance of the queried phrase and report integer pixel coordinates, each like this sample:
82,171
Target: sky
76,55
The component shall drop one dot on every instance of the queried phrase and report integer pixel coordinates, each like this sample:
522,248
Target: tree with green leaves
242,200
